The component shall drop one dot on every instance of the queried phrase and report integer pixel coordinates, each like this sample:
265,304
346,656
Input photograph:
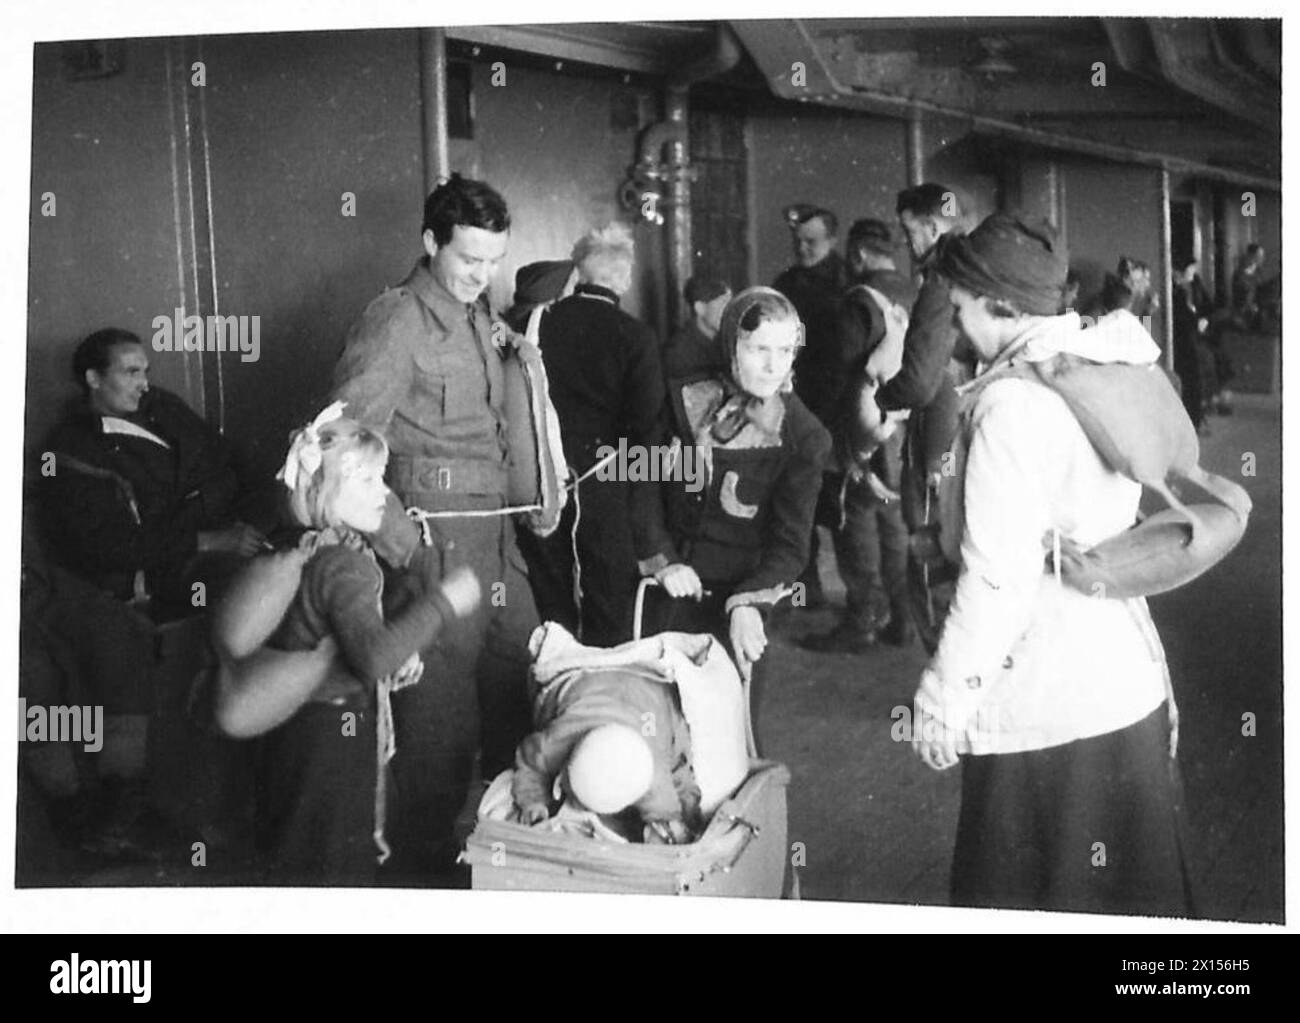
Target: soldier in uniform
871,536
424,365
694,348
815,283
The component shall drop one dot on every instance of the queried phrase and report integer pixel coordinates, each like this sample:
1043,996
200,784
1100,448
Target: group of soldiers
864,505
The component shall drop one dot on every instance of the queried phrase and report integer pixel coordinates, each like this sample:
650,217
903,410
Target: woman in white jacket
1058,702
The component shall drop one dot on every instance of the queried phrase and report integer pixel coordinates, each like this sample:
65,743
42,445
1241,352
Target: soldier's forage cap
802,212
541,282
1011,258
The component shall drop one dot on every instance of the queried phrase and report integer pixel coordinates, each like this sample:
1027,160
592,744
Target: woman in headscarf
727,535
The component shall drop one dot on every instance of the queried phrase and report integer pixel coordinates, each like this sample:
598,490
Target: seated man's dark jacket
928,347
605,373
816,292
117,503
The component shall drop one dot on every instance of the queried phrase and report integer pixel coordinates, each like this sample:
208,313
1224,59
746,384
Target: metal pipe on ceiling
433,106
665,149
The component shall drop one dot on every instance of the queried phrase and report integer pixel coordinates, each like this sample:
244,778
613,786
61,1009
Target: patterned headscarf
743,314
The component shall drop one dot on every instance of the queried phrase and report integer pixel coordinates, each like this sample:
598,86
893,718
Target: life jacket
1135,421
856,439
537,472
886,358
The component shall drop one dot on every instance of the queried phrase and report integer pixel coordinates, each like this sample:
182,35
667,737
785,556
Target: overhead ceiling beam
567,43
780,47
1190,55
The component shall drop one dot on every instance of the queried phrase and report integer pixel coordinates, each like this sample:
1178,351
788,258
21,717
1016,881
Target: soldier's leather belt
409,475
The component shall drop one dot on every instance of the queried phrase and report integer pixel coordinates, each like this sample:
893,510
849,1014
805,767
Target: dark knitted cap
1008,257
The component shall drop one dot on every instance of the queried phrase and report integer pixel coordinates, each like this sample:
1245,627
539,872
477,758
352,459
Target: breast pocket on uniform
428,393
456,386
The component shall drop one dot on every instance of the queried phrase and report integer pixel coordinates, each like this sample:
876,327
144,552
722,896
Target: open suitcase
742,852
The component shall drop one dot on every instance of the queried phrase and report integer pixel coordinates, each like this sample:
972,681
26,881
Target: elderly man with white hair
606,383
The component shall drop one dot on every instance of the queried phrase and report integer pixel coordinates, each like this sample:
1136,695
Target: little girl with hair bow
322,778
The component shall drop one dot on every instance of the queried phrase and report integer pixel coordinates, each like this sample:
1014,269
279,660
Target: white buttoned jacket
1025,662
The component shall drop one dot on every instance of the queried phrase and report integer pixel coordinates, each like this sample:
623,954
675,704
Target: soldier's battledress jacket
425,369
746,531
816,292
429,371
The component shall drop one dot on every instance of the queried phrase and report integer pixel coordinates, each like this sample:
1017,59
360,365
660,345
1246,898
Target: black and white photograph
796,458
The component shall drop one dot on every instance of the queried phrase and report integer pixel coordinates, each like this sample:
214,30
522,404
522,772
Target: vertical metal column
1053,196
192,213
915,149
188,279
1062,220
1209,248
1167,259
679,200
433,106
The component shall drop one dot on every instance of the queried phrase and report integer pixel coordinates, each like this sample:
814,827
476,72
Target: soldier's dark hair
705,287
96,352
466,202
926,200
799,215
870,235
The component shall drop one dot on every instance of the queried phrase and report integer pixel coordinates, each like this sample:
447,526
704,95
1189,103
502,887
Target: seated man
138,493
868,530
80,648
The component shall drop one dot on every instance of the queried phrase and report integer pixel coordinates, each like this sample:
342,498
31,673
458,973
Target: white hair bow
304,455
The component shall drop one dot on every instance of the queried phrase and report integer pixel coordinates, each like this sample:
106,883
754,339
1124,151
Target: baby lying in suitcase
615,739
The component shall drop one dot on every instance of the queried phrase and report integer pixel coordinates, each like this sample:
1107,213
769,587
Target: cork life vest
886,358
1135,421
536,472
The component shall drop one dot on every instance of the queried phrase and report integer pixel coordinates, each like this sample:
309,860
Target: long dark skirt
316,797
1090,826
